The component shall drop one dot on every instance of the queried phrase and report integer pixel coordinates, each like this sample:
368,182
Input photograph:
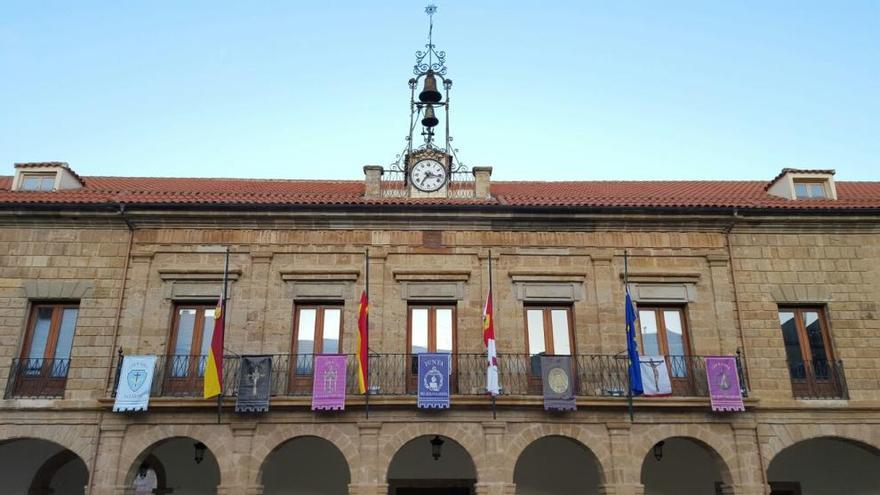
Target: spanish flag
363,343
214,366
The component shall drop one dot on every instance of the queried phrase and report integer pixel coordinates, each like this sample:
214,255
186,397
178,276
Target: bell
429,93
430,120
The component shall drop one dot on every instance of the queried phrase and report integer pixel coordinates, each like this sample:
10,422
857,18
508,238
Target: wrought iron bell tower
429,167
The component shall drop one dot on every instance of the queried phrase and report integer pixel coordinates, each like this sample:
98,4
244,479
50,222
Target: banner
558,383
723,378
328,383
655,376
254,384
434,369
135,382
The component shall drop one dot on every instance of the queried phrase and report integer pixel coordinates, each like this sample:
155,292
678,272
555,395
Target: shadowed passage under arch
178,465
36,466
557,465
683,465
306,465
826,466
432,465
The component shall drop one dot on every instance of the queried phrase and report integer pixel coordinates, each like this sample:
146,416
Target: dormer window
809,189
801,184
45,177
37,182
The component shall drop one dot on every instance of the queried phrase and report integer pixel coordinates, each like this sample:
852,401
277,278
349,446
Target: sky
552,90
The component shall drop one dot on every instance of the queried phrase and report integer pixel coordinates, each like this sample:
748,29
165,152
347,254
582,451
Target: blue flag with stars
635,370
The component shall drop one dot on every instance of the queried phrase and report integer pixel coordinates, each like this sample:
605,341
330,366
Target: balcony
818,379
37,378
395,375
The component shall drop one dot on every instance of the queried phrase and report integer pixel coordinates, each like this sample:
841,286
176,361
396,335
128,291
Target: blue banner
434,380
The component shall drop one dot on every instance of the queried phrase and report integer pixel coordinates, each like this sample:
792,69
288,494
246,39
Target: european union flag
635,369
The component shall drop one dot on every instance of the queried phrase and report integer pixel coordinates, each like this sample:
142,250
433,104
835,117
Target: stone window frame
533,286
196,285
327,286
446,286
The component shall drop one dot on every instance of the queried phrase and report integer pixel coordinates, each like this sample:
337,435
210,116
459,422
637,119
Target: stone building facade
733,258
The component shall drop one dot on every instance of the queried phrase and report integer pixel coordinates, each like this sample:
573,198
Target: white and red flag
489,339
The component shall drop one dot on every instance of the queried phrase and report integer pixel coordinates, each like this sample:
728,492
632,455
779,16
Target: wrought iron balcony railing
818,379
37,378
395,374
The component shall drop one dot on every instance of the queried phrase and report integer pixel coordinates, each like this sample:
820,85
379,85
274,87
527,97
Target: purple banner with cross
722,376
328,383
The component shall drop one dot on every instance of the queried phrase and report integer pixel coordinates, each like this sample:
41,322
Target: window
804,189
191,334
37,182
317,330
664,333
808,352
431,329
548,332
45,356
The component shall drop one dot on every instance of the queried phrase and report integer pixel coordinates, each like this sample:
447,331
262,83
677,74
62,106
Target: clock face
428,175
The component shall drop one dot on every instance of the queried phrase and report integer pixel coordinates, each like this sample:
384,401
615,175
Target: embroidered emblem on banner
254,384
434,369
328,383
724,389
556,374
136,380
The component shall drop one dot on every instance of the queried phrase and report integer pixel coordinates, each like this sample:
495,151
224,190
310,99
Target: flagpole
629,389
223,315
494,412
367,336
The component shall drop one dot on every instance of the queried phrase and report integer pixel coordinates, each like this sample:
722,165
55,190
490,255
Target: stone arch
555,464
140,440
34,465
826,464
272,437
782,437
74,439
468,436
592,438
299,460
720,446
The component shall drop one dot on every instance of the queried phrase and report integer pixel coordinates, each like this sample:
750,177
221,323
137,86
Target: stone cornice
459,217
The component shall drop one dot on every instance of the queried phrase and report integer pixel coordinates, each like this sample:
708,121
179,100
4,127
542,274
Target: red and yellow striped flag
214,366
363,343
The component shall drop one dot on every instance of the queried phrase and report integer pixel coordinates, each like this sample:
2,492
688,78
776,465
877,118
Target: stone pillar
622,489
367,473
482,178
244,474
108,475
621,459
610,320
368,489
372,181
493,434
749,478
725,312
254,490
494,488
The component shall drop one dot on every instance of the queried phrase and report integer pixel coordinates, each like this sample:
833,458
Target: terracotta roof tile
596,194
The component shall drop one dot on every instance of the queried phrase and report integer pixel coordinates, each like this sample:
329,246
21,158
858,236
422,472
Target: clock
428,175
